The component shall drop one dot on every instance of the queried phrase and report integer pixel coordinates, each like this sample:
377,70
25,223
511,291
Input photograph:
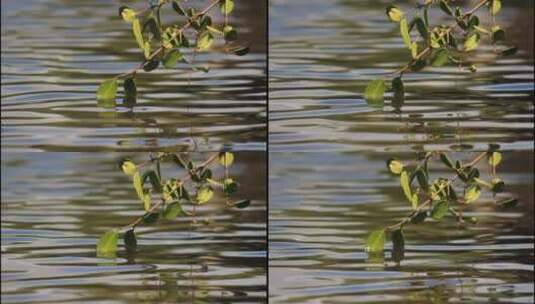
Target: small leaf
472,194
107,90
150,65
230,33
441,58
241,51
498,186
497,34
509,51
376,241
136,30
130,90
242,204
127,13
204,194
422,179
404,181
398,245
419,217
147,201
399,92
173,210
172,58
418,65
226,159
130,240
495,7
421,27
205,41
107,245
508,203
439,210
204,69
374,92
414,50
227,6
395,166
146,49
446,160
229,186
495,158
128,167
394,13
151,217
404,30
138,185
472,42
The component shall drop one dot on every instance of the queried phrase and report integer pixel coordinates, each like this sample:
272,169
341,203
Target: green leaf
508,203
404,181
374,92
472,194
127,13
241,50
399,92
419,217
446,160
404,30
130,90
498,186
205,41
150,65
178,8
398,245
128,167
107,245
146,49
440,58
204,194
421,177
173,210
138,185
130,240
510,51
495,158
495,7
439,210
147,201
421,27
395,166
153,178
107,90
472,42
444,6
414,50
242,204
229,186
418,65
497,34
227,6
171,58
136,30
226,159
394,13
204,69
376,241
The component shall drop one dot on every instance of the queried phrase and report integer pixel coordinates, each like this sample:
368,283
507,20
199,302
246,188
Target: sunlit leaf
205,41
171,58
414,50
226,159
404,181
404,30
227,6
107,245
472,193
495,7
374,92
472,42
128,167
376,241
394,13
204,194
441,57
495,158
138,185
147,201
127,13
230,33
173,210
136,30
395,166
107,90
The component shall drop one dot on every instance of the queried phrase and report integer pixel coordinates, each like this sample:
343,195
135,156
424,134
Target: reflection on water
328,181
56,205
56,52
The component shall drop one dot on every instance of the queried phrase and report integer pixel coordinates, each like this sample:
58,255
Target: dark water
329,187
61,188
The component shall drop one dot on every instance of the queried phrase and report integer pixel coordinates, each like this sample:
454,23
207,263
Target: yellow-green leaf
147,200
414,50
495,7
128,167
107,89
204,194
439,210
495,158
205,41
441,58
374,92
395,166
226,159
227,6
472,194
376,241
136,30
107,244
404,30
172,58
394,13
173,210
138,185
471,42
404,181
128,14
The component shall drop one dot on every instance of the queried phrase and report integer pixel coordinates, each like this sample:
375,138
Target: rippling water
56,205
56,52
328,182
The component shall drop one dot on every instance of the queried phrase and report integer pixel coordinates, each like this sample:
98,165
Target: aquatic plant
439,44
434,197
167,198
167,44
